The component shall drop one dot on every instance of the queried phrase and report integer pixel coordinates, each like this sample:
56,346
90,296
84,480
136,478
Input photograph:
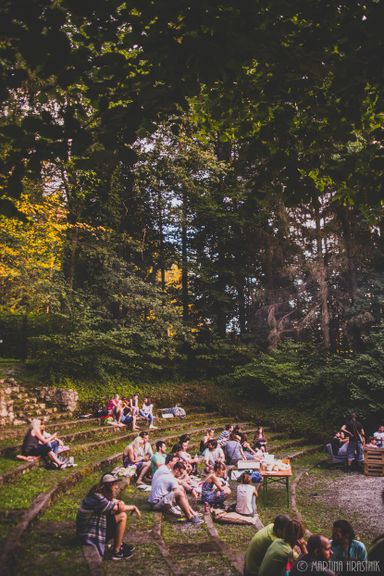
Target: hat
108,479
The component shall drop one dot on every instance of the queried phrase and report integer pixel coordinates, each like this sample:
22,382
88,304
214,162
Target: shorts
165,503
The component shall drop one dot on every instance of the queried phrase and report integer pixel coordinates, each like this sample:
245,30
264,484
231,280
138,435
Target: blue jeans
355,451
149,417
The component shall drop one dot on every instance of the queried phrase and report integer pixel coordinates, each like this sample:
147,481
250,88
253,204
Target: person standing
355,431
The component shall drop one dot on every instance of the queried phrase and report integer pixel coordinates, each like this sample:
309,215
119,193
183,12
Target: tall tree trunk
161,243
241,304
184,258
347,217
322,280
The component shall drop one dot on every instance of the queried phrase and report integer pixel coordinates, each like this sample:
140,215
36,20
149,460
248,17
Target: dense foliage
185,185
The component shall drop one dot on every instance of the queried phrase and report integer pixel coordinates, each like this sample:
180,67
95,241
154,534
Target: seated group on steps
172,478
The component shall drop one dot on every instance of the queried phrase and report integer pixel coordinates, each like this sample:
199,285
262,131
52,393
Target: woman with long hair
36,444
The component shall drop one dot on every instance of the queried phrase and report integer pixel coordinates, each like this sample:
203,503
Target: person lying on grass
132,457
102,517
215,489
35,444
167,495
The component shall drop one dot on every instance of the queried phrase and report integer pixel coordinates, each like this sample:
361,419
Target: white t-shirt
246,499
145,450
212,456
163,482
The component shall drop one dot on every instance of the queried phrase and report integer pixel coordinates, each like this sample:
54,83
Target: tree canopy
239,143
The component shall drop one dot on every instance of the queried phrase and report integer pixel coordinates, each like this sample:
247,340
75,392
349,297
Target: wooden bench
374,461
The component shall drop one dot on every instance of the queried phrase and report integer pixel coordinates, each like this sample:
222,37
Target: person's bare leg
121,522
182,501
52,456
134,427
144,469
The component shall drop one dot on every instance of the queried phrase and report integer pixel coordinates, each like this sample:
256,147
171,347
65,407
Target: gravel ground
362,496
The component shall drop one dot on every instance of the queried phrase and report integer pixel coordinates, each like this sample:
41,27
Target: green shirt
157,460
275,559
257,548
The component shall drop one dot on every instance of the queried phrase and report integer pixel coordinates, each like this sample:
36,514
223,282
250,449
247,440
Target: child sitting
246,495
215,489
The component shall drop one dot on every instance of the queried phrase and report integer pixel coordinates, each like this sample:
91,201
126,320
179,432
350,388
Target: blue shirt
356,551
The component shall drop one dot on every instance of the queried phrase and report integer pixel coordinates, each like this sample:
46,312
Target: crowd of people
177,479
279,549
350,440
171,477
126,411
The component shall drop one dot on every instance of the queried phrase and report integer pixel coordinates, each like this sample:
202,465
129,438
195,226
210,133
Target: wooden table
279,476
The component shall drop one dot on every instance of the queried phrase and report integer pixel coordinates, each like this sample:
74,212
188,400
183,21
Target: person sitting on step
102,517
215,488
128,418
212,454
56,445
191,462
115,409
166,493
249,452
225,434
209,435
131,457
158,458
233,450
147,412
260,438
35,444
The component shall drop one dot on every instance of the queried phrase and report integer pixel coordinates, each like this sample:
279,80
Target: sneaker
122,554
195,520
175,511
128,548
152,427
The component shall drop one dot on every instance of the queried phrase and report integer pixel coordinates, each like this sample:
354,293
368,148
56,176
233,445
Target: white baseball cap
108,479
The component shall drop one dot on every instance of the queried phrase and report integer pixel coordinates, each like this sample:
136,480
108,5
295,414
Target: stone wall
66,400
19,404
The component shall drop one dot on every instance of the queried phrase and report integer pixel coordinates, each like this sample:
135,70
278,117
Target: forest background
193,191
